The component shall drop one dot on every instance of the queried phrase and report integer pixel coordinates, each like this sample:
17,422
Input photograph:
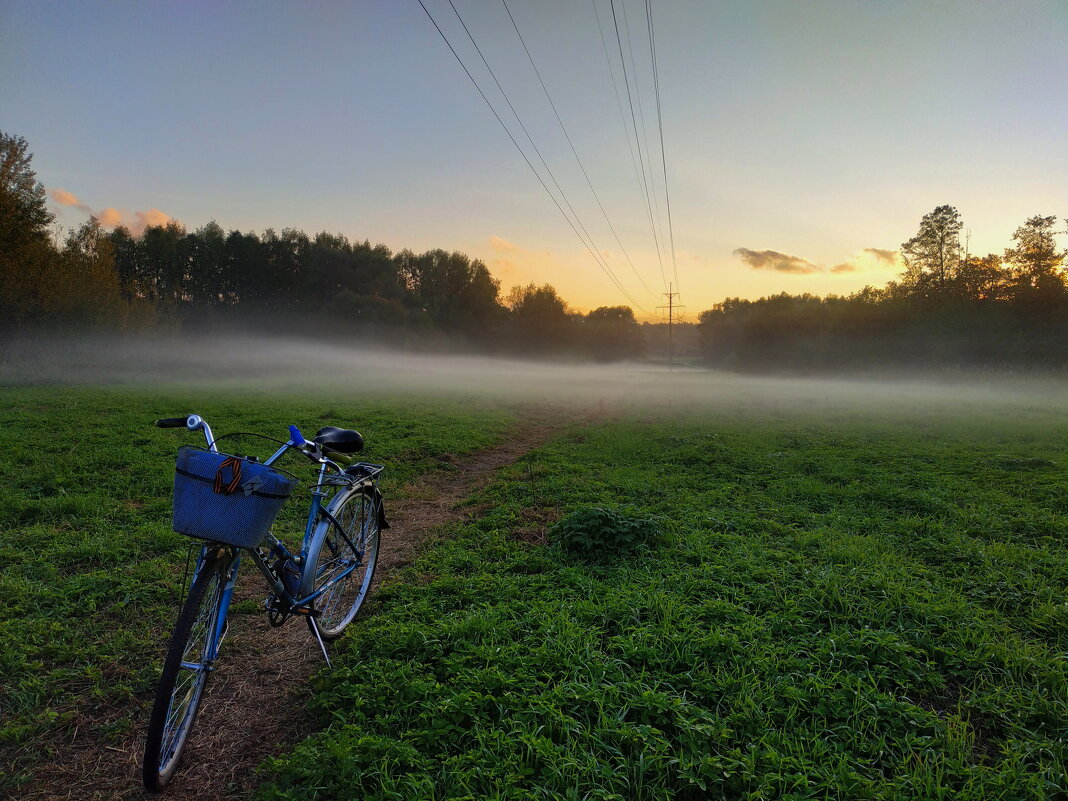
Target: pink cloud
112,217
65,198
109,217
135,223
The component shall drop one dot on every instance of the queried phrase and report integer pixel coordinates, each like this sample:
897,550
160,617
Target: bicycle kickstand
319,639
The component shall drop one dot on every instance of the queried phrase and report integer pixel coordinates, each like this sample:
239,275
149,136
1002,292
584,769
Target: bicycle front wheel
332,555
185,672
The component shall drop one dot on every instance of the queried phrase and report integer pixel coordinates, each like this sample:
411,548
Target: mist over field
292,365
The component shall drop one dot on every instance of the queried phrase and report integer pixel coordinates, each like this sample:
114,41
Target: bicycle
232,513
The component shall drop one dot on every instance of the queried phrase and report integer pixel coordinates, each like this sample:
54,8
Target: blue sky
812,129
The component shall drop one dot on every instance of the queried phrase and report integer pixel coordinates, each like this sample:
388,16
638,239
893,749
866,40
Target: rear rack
359,473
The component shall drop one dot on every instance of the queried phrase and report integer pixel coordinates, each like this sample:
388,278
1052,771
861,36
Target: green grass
89,567
833,606
838,608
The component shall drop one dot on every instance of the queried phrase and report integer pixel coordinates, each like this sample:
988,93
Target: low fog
304,366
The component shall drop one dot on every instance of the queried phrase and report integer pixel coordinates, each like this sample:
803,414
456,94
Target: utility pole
671,306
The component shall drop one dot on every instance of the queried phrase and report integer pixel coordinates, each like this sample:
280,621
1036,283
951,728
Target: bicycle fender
382,523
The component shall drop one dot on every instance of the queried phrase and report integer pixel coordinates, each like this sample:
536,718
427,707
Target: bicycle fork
224,609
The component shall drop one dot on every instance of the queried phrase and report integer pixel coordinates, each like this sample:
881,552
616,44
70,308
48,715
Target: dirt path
256,704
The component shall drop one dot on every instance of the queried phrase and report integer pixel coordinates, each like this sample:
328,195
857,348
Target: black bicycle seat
342,440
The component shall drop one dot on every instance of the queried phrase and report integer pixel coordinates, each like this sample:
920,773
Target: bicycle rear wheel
185,672
358,513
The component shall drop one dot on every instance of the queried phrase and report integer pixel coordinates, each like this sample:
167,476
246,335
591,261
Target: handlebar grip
296,436
171,422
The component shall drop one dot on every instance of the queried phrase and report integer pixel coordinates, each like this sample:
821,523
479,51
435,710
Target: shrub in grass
597,532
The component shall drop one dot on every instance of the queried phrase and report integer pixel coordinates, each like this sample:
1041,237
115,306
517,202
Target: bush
598,532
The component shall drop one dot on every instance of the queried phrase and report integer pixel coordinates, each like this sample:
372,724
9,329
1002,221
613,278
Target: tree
23,214
540,319
165,264
982,279
933,254
613,333
1036,259
453,291
87,289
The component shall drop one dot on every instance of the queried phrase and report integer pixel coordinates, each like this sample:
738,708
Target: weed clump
597,532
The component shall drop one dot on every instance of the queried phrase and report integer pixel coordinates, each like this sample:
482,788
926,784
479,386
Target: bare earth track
256,704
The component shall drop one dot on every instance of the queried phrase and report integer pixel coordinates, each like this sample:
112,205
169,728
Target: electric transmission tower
672,307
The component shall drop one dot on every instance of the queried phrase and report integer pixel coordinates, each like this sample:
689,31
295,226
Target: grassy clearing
90,566
841,608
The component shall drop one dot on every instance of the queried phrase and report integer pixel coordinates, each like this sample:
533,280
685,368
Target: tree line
323,284
949,308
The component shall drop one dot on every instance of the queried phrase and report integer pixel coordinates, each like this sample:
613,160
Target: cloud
65,198
135,223
143,219
779,262
499,243
864,259
111,217
870,259
889,256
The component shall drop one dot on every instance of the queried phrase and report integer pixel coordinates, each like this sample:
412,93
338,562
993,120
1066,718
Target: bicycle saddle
342,440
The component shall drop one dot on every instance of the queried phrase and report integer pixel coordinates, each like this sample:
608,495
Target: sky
803,140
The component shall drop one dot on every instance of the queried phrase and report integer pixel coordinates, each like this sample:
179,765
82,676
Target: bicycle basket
226,498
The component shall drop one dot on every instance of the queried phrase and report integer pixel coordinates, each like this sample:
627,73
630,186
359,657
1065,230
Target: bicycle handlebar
194,422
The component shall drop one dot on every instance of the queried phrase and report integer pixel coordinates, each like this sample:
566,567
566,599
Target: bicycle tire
170,725
358,512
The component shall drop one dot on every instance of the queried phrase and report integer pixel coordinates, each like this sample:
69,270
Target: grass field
849,608
89,568
837,604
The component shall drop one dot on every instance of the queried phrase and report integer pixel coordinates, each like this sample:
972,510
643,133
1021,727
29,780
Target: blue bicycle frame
316,512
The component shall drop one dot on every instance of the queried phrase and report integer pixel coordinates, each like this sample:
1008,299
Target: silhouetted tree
452,291
23,214
983,280
1036,262
611,332
540,320
932,255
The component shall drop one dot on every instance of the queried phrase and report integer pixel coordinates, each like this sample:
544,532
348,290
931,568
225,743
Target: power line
522,153
573,150
660,125
592,245
641,116
637,143
619,103
607,270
